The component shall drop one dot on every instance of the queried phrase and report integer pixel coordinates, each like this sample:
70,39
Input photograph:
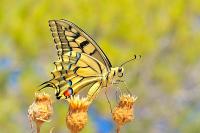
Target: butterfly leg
108,101
94,91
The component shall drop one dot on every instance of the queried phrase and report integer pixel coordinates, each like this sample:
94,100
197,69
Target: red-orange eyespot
68,92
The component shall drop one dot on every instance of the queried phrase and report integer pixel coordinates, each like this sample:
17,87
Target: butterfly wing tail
46,84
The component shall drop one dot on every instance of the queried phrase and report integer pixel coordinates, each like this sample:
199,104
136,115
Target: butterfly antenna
134,58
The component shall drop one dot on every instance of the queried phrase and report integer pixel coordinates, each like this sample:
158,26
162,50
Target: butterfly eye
120,70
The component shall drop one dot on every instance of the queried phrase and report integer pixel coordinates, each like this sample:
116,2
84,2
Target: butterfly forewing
69,37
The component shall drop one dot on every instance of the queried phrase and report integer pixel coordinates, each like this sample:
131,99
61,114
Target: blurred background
166,79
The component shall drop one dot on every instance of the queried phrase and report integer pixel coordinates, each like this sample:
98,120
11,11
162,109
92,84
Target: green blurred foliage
166,79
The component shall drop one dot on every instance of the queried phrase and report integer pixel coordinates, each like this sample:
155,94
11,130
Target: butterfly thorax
114,75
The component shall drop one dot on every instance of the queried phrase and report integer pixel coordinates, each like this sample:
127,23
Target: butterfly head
116,74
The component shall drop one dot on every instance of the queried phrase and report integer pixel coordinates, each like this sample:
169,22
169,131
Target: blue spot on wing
78,55
70,83
69,66
70,91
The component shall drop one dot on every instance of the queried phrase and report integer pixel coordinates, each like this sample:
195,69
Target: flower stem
73,131
118,129
38,125
38,129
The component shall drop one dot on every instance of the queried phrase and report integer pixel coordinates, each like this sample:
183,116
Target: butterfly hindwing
75,71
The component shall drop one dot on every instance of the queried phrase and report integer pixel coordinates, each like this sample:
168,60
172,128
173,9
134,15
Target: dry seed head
41,109
77,116
76,121
123,113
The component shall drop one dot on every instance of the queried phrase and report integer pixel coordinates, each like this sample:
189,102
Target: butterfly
81,62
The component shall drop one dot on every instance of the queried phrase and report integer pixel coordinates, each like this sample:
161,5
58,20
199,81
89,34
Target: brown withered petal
77,114
41,109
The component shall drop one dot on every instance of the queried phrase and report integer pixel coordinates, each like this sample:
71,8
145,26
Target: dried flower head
77,116
41,109
123,112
